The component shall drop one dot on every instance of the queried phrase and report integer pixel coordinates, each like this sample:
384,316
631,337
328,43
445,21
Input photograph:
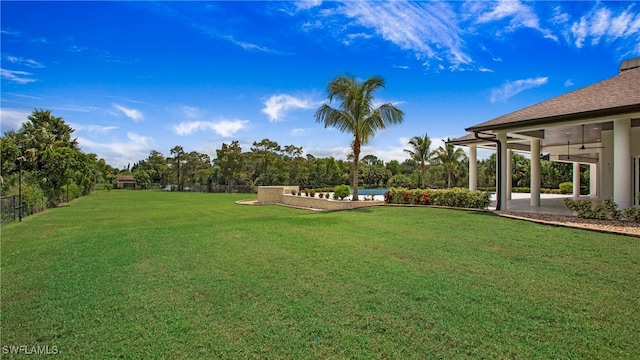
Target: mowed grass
149,274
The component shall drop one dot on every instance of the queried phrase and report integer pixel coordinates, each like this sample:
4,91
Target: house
124,182
598,125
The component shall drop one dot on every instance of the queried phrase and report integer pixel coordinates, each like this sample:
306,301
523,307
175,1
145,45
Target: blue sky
131,77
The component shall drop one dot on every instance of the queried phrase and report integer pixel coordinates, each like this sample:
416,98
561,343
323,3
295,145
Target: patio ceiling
556,136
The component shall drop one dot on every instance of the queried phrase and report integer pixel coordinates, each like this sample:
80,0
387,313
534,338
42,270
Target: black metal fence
11,208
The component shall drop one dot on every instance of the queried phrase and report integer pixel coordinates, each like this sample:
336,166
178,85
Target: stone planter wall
282,195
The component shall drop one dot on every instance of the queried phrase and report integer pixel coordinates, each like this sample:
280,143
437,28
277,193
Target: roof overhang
632,111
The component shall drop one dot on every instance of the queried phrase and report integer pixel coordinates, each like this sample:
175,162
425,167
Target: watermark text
29,350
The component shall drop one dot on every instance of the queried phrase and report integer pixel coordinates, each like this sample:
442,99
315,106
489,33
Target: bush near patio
456,197
608,210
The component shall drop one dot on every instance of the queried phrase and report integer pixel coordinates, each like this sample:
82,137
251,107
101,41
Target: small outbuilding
124,182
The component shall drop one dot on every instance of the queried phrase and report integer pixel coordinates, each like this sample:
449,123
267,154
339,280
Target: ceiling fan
588,147
569,157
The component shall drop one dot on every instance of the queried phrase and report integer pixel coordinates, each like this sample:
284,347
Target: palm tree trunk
422,167
356,159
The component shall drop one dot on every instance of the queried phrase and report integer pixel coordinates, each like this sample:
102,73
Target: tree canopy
355,113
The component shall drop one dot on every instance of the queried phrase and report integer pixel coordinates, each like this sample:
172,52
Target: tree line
43,161
55,169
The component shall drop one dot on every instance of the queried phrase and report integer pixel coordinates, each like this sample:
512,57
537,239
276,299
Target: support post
473,167
576,180
535,172
622,162
509,163
502,170
593,180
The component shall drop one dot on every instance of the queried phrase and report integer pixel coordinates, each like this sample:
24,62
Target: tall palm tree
421,152
356,113
449,157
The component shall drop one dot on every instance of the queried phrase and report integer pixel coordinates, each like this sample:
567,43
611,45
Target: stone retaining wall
282,195
273,194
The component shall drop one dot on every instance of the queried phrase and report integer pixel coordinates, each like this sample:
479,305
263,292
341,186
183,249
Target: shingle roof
125,178
614,96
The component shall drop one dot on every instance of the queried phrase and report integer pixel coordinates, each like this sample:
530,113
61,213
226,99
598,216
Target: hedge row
456,197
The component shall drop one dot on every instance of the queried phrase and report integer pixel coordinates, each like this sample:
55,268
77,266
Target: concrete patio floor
551,204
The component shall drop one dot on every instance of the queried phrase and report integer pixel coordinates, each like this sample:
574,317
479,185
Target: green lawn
150,274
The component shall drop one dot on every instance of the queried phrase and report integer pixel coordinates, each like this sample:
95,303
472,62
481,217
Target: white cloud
12,119
189,111
93,129
224,128
133,114
20,77
22,61
300,132
337,152
568,83
119,153
248,46
429,29
484,69
307,4
559,17
509,89
277,106
519,16
601,23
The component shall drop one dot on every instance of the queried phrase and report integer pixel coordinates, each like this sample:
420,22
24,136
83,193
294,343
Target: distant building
598,125
124,182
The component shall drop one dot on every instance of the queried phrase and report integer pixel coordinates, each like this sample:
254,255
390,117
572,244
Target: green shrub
341,191
33,197
608,210
611,208
566,187
632,214
457,197
312,193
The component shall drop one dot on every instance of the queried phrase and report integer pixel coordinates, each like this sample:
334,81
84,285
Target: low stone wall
273,194
282,195
325,204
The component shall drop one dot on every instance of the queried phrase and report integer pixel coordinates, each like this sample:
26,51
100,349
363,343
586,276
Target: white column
622,163
535,172
576,179
593,180
473,167
509,173
502,175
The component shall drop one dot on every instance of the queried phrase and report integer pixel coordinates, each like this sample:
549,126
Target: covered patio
551,204
598,125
